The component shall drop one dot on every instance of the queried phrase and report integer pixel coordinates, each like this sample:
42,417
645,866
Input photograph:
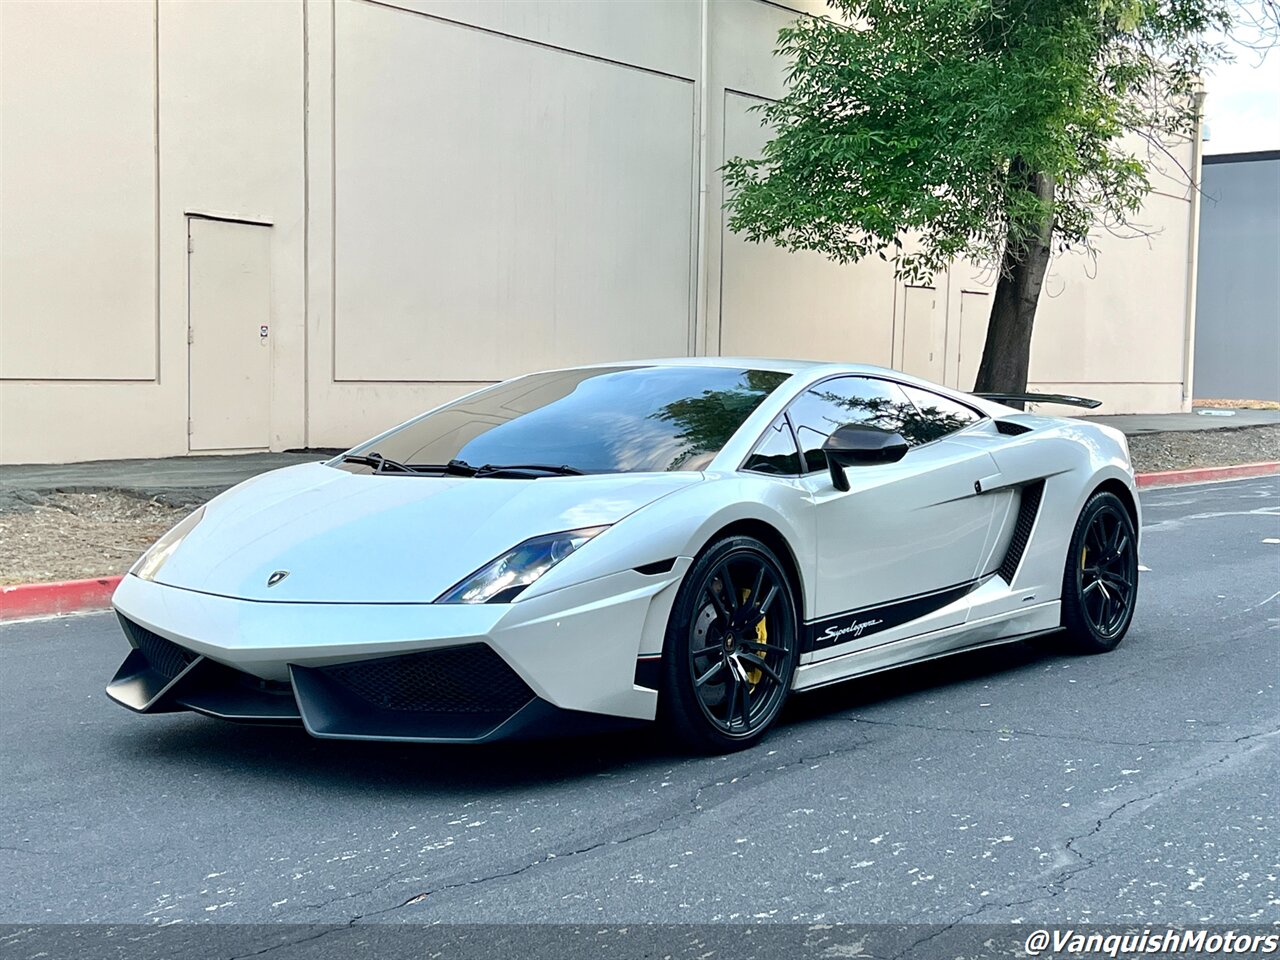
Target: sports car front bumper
424,672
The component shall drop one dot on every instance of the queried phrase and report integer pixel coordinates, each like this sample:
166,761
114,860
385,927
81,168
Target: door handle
987,484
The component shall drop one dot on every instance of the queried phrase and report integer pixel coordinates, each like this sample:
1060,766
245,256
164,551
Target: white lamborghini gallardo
682,540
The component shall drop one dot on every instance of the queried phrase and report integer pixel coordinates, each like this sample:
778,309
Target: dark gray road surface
1140,786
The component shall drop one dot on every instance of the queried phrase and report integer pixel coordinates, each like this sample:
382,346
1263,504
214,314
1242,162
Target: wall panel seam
156,370
306,226
387,4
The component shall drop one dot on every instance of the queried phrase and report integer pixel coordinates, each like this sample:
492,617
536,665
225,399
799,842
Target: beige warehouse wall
660,36
762,300
1111,324
509,186
232,121
221,121
556,229
78,154
1105,328
456,192
772,301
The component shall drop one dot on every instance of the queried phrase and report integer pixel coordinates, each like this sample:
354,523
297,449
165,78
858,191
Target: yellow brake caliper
762,634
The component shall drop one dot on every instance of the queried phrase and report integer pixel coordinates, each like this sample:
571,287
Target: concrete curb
75,596
47,599
1171,478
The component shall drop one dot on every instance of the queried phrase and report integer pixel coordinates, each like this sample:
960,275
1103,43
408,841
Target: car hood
363,538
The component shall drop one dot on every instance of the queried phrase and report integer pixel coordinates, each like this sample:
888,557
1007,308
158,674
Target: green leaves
931,118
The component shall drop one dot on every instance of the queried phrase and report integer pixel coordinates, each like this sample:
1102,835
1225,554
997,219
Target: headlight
502,580
149,563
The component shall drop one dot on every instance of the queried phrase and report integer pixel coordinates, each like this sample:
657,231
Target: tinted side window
776,451
937,416
820,410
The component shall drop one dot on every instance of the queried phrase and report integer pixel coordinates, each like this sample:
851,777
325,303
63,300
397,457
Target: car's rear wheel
731,647
1100,583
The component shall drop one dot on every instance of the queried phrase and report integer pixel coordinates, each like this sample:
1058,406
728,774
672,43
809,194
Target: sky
1242,109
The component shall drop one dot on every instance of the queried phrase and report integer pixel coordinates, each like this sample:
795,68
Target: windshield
598,420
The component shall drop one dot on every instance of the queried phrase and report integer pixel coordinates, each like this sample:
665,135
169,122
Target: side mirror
856,444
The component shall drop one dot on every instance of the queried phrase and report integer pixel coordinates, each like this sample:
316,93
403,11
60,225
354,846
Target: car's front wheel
731,647
1100,583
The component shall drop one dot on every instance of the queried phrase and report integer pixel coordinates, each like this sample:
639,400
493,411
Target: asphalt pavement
1013,784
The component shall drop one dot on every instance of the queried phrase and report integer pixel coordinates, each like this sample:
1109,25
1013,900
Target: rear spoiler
1062,398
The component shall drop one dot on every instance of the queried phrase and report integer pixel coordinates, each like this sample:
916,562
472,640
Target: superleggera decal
854,624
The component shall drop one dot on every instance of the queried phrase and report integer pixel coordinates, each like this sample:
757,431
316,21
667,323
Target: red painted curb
1169,478
45,599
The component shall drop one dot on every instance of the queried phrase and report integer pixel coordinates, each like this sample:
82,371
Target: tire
1098,597
724,677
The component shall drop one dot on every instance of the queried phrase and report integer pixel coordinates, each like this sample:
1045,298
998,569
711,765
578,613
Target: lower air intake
454,680
163,656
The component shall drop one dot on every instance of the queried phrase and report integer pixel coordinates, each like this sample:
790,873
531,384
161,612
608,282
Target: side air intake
1028,507
1011,429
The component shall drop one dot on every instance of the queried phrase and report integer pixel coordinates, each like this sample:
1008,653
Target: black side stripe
853,624
1028,508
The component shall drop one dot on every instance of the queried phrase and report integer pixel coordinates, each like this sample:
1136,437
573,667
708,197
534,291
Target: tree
708,421
990,129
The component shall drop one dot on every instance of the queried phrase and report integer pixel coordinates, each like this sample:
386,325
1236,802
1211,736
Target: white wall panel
743,36
462,190
78,208
775,303
658,36
500,206
1118,319
231,140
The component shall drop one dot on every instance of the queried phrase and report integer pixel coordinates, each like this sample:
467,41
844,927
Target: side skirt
854,624
1038,620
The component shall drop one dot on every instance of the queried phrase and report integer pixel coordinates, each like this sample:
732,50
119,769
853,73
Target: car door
904,542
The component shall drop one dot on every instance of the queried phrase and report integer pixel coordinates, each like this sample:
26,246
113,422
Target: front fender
680,524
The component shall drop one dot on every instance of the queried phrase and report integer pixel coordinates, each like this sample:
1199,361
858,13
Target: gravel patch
1203,448
75,536
78,535
1239,404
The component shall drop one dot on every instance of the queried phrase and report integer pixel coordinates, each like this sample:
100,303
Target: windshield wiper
527,469
380,463
383,464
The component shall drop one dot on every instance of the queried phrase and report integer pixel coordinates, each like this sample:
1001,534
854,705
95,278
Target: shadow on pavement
902,682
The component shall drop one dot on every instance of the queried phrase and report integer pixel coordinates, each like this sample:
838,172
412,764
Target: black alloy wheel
1100,584
731,647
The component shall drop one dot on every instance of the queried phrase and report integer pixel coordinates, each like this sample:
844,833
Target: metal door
229,335
923,334
975,307
905,541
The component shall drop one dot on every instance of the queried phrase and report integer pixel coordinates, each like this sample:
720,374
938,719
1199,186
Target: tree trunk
1007,352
